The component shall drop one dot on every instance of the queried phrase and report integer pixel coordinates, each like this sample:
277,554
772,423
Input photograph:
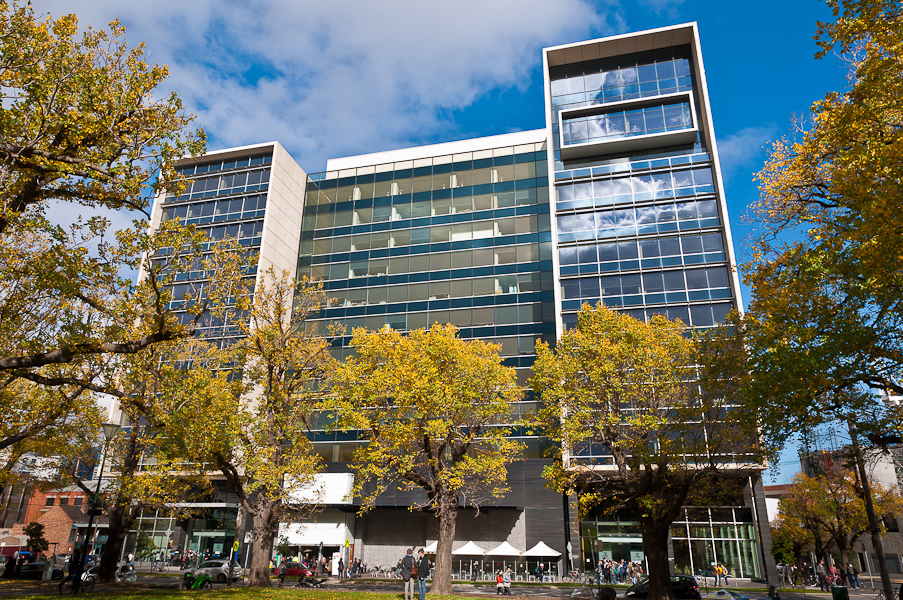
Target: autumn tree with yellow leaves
435,412
822,331
248,417
641,425
830,509
82,129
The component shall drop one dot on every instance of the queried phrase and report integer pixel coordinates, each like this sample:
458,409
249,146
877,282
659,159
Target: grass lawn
248,594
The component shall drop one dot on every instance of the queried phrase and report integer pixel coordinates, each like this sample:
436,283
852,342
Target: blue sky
329,79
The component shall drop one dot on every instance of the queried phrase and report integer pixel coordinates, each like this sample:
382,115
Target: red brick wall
57,526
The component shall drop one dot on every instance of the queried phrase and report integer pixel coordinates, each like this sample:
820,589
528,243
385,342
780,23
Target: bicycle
86,586
896,595
578,577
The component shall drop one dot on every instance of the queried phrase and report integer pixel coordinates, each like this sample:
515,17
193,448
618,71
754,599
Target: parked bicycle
87,584
575,576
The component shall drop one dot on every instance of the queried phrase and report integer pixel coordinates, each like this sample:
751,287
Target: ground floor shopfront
735,536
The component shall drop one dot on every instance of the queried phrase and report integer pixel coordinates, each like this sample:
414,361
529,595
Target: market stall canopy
505,549
431,549
469,549
541,549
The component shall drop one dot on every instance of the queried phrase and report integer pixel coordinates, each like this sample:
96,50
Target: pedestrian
407,572
322,564
423,571
341,568
498,583
822,577
506,581
724,574
474,570
280,571
9,567
541,573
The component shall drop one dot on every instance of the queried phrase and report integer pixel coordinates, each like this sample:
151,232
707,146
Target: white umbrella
504,549
541,549
469,549
431,549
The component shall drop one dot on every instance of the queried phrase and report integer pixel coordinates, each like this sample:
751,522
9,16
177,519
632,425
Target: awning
431,549
504,549
469,549
541,549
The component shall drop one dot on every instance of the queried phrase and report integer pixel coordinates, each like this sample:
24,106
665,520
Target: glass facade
230,204
640,229
462,239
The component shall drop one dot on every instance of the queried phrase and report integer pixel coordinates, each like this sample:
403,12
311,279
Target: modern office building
618,199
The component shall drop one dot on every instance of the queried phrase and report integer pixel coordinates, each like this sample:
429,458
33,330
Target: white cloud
742,152
336,78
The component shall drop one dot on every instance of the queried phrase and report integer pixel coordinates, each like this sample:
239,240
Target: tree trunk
877,542
120,523
264,532
448,516
655,544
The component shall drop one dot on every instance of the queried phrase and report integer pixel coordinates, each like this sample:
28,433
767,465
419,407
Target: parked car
35,570
294,569
217,569
684,586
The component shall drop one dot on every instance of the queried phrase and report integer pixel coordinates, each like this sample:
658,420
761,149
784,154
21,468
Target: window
50,500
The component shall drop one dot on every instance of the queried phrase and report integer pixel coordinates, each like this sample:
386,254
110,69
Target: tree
822,329
623,398
82,127
36,541
789,541
830,509
144,547
250,417
432,408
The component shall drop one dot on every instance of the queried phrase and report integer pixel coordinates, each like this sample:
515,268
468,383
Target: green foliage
36,541
144,547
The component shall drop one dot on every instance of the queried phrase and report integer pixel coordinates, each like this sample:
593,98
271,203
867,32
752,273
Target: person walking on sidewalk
506,581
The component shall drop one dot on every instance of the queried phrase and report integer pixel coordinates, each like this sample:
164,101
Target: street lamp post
109,430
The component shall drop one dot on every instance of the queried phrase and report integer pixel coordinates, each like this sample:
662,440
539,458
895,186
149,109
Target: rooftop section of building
343,167
616,45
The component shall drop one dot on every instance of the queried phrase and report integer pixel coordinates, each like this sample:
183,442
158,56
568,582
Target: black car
35,570
684,586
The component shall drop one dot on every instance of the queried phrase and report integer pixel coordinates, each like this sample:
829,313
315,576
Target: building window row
225,165
673,116
461,232
461,318
697,315
625,69
438,290
645,249
425,221
403,209
631,222
597,167
225,185
691,280
425,180
637,188
232,209
439,164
